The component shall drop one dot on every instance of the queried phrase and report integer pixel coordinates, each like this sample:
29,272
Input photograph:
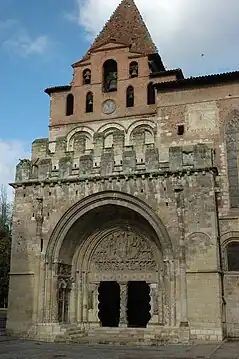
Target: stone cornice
97,177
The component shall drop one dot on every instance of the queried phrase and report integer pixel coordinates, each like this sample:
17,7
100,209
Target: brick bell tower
113,79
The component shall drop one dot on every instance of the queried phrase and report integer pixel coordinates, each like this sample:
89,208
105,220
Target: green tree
5,245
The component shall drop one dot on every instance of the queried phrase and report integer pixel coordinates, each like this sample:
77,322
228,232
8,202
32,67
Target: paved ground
16,349
20,349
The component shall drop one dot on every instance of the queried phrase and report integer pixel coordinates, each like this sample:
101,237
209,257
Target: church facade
126,218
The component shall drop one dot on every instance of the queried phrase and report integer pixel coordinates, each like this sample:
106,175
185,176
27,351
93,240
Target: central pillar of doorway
123,304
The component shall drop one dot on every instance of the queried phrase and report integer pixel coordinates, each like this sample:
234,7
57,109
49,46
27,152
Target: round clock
108,107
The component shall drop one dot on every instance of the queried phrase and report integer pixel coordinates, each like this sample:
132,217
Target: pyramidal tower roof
126,26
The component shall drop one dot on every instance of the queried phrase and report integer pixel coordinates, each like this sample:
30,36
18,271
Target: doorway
109,304
138,307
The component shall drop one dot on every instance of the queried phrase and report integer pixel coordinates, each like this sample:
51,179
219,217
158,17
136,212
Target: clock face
108,107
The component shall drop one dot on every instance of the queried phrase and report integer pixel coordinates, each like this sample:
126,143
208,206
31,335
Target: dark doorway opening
109,304
138,308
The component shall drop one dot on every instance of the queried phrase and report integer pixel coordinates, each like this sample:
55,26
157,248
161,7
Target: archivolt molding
89,132
85,251
149,125
110,128
228,237
197,242
101,199
197,235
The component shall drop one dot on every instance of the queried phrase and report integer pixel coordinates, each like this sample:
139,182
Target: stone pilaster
39,266
72,303
182,256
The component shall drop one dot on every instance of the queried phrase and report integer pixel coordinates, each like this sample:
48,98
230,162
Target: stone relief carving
124,250
64,270
154,301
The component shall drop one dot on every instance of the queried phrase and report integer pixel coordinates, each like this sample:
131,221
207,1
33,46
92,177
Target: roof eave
201,81
51,90
177,72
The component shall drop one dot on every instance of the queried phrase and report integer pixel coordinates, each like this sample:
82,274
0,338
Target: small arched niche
110,76
69,105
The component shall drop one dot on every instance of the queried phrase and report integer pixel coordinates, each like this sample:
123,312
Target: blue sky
24,75
39,40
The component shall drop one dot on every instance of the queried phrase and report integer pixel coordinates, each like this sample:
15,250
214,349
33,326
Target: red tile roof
126,26
199,81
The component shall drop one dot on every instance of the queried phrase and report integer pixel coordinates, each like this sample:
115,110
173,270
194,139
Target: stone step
120,330
77,335
121,335
62,339
116,340
74,331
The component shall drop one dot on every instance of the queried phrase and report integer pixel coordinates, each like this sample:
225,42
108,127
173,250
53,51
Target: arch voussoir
101,199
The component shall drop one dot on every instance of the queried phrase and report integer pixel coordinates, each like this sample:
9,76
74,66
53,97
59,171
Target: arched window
69,105
86,76
130,97
150,94
110,76
232,251
232,143
89,102
134,69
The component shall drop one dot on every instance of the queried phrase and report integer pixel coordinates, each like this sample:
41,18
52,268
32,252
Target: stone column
123,304
85,297
53,294
182,256
161,295
79,298
95,302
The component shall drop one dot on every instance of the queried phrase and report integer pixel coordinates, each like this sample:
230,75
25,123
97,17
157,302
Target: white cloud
10,153
182,30
15,38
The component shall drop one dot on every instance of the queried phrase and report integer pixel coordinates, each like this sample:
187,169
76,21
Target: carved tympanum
124,250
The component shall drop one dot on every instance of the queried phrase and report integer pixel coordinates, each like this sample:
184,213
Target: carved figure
124,250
